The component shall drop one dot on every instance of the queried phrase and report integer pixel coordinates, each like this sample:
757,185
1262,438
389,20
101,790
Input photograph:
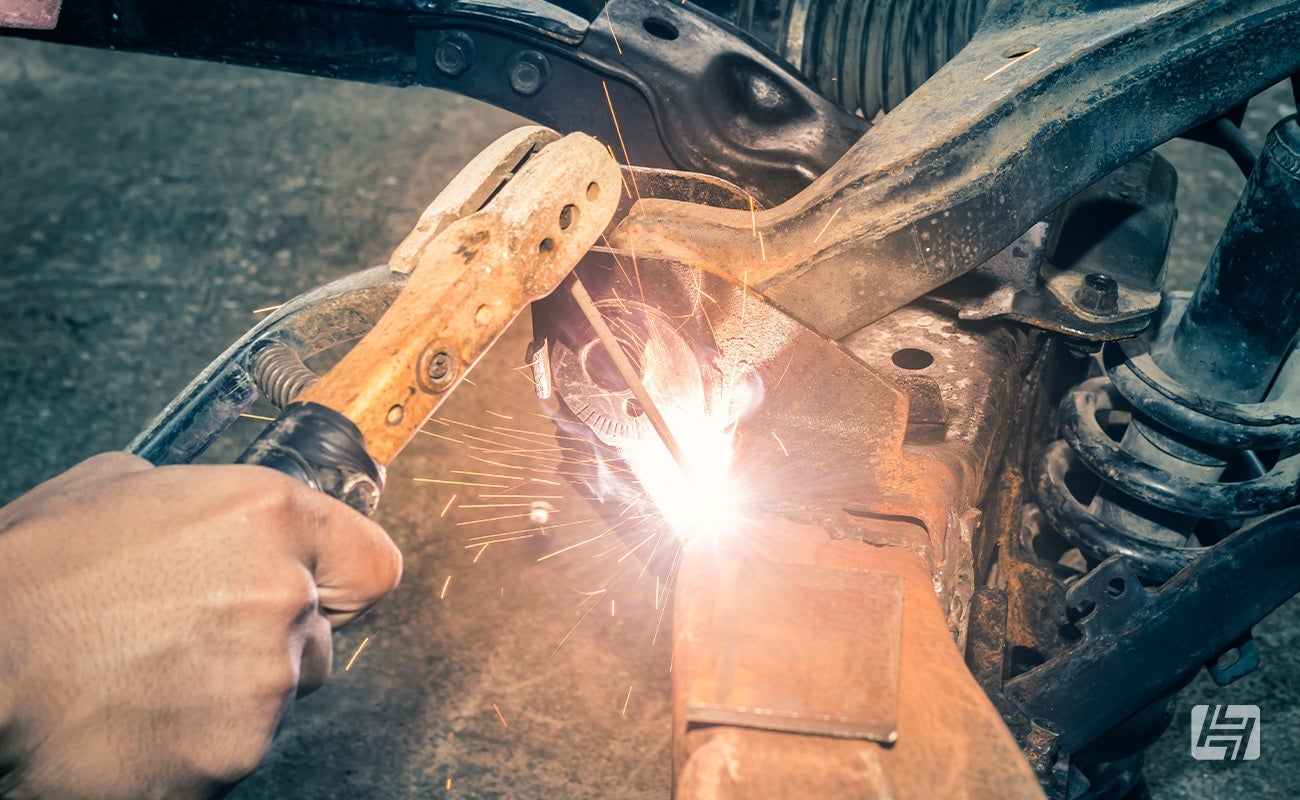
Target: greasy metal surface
951,742
795,648
939,186
472,279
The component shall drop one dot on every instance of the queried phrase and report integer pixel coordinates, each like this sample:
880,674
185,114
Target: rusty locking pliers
504,233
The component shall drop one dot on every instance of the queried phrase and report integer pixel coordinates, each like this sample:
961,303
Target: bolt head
454,54
1098,294
529,72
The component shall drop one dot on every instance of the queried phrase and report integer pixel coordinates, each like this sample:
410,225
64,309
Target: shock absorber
1210,391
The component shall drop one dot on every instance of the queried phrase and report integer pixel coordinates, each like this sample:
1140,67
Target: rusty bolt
1098,294
454,54
529,72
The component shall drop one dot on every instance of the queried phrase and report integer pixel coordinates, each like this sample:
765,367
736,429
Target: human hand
157,623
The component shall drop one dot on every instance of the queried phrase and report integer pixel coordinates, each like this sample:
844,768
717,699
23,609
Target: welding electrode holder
323,449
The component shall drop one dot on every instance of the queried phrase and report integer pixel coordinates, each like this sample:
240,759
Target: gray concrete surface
148,206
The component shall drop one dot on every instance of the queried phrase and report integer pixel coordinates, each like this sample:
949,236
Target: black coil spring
280,374
866,55
1133,383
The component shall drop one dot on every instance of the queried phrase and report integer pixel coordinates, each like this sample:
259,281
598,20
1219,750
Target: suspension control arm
1042,102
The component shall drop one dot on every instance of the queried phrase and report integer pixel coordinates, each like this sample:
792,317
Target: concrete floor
148,206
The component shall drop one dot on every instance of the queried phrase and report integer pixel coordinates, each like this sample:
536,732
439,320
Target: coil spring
280,374
1135,384
866,55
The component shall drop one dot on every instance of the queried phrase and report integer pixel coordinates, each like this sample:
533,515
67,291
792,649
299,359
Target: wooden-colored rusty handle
470,280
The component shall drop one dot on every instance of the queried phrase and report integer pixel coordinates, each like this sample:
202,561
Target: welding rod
625,369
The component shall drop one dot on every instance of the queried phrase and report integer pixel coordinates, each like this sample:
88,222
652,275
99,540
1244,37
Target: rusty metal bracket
1042,102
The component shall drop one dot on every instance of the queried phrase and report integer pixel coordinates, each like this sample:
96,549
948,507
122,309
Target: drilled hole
659,28
632,408
912,358
593,190
1116,587
1070,633
546,245
568,215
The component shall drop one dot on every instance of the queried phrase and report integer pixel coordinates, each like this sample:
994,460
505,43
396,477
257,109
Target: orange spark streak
610,20
601,535
265,309
444,508
479,554
497,414
484,545
440,436
443,594
460,483
484,474
753,217
501,716
784,371
360,647
762,248
626,159
534,528
828,224
778,441
498,519
628,699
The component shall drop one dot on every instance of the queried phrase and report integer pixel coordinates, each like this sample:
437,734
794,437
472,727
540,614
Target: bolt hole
1018,50
593,190
1070,633
912,358
632,408
660,29
546,245
1116,587
568,215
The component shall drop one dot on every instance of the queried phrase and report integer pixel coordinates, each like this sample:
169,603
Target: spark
258,416
443,594
828,223
753,217
479,554
484,474
360,647
778,441
613,608
626,159
449,784
500,716
440,436
1015,60
784,371
628,699
596,593
446,507
601,535
265,309
497,519
461,483
762,248
610,20
497,414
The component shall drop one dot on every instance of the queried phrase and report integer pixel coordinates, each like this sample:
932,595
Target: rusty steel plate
802,649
